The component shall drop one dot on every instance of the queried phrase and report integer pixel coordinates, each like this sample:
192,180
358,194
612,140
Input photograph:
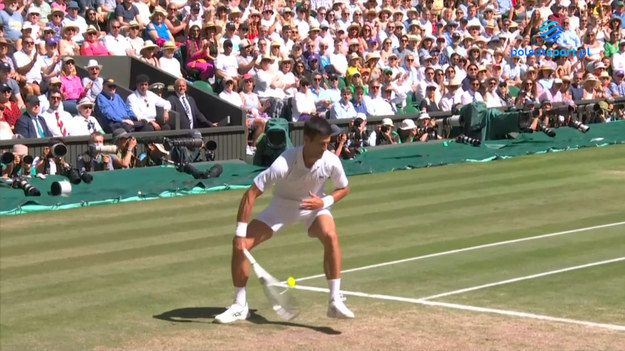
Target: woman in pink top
71,85
92,46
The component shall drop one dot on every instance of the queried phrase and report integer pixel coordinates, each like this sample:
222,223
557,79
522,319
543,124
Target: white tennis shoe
337,309
234,313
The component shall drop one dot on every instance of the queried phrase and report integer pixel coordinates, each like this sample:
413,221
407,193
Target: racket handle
249,256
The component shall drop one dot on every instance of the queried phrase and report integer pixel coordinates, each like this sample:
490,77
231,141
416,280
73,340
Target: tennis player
299,176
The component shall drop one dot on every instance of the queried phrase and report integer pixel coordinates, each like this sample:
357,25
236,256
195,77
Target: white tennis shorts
281,213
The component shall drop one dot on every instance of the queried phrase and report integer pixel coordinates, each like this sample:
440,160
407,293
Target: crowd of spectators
315,58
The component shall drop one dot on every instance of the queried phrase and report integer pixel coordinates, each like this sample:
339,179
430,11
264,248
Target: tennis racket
281,299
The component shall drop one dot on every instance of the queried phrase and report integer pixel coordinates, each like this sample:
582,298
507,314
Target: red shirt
11,114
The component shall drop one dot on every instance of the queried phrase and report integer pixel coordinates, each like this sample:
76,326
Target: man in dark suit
185,105
31,124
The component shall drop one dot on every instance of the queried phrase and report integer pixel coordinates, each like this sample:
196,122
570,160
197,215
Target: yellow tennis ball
290,281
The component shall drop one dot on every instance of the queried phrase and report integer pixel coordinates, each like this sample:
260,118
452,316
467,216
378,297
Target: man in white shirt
115,43
229,95
26,63
472,94
226,64
72,17
59,121
299,176
143,103
84,123
452,96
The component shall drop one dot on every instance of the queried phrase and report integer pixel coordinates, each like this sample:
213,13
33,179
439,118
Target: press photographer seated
53,159
16,162
126,145
358,137
93,159
427,129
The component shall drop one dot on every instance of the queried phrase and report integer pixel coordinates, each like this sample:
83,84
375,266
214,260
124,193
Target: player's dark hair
317,126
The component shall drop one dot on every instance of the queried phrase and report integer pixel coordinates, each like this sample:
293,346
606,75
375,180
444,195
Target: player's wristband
328,201
241,230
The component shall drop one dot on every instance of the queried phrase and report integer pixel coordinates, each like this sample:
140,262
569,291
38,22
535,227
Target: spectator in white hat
84,123
93,82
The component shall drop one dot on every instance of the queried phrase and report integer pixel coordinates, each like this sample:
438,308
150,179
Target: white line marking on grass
467,308
469,249
460,291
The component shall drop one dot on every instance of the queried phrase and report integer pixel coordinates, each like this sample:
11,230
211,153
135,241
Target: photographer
358,137
338,143
154,155
93,160
126,145
21,164
427,129
385,135
407,131
53,159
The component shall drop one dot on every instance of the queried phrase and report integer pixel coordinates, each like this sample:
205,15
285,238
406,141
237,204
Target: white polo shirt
293,180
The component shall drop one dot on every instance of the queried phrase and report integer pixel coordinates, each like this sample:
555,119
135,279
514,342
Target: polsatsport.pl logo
550,31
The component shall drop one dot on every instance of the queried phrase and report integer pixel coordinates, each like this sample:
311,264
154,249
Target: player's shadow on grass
206,315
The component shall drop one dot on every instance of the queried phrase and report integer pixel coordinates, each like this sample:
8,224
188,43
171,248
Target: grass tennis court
526,253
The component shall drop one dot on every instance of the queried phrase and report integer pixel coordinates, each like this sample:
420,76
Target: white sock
240,296
335,288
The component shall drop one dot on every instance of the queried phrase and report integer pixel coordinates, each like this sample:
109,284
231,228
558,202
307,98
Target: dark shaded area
202,314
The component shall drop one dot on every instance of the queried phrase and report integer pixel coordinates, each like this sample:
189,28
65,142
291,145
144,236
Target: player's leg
257,232
324,228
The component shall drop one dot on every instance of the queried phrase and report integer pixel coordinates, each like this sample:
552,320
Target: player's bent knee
328,237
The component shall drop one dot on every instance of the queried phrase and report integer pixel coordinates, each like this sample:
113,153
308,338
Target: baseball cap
110,81
4,87
5,66
32,99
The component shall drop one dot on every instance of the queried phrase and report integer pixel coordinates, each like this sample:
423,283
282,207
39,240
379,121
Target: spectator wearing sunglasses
143,103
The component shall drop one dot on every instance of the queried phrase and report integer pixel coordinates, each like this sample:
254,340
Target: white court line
469,249
468,308
460,291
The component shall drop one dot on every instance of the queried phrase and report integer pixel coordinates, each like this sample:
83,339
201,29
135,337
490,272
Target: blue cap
73,5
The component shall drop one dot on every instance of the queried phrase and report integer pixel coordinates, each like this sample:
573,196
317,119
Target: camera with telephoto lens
21,183
76,175
579,126
191,143
543,128
58,150
454,121
7,158
104,149
468,140
188,168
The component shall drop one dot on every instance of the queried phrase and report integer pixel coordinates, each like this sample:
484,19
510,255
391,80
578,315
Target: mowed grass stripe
127,212
191,218
488,265
116,230
455,172
64,259
588,294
